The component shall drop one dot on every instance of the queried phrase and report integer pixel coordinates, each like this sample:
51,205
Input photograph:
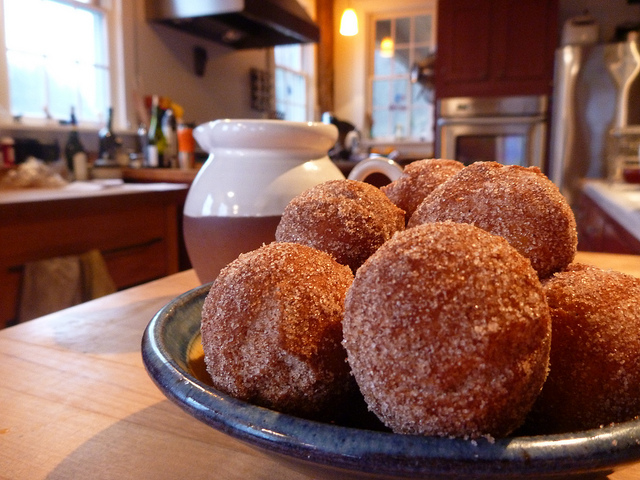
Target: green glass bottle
74,152
157,141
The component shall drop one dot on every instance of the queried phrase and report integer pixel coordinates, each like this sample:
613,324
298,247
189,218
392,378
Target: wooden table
76,401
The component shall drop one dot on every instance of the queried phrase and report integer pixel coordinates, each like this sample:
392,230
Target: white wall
164,65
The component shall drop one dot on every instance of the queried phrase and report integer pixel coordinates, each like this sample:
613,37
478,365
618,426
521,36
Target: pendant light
387,47
349,23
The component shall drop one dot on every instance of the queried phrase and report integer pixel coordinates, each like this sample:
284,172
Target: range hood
238,23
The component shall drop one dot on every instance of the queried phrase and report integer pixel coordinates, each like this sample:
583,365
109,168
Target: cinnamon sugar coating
594,376
517,203
447,332
345,218
271,329
418,180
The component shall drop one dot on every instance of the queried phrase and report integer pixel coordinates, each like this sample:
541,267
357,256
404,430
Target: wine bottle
74,151
157,142
169,129
108,146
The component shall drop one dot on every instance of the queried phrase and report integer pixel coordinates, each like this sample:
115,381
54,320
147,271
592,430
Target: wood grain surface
77,403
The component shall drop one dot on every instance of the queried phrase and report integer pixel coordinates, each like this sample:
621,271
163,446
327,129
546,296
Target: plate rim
592,450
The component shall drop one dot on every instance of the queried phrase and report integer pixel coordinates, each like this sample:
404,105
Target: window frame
370,67
307,71
115,31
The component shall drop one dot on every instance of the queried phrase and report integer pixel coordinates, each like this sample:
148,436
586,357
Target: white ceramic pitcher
255,167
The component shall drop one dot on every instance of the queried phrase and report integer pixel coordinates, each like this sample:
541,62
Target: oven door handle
491,120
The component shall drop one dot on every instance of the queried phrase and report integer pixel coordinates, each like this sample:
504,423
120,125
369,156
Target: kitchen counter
620,201
136,227
171,175
82,190
608,216
76,401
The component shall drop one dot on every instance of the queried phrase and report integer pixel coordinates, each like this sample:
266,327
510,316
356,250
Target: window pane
423,29
23,27
289,56
400,109
400,92
291,94
94,92
90,26
422,124
26,84
420,96
381,93
68,45
57,38
400,123
403,30
383,29
380,127
402,61
62,84
422,53
382,65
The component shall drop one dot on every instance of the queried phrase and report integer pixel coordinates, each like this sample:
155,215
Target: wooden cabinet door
464,40
495,47
524,44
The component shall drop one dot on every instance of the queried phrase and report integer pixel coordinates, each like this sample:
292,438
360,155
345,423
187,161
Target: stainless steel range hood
238,23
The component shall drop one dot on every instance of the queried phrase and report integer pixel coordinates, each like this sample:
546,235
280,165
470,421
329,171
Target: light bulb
387,47
349,23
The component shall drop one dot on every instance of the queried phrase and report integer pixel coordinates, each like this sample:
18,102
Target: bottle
75,153
157,142
170,134
8,153
108,148
186,146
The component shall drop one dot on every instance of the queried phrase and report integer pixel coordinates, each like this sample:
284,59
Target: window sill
413,149
52,126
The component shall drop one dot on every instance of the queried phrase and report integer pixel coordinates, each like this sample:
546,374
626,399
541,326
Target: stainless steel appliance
596,93
508,130
238,24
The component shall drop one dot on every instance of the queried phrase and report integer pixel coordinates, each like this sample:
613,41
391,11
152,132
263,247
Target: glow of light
387,47
349,23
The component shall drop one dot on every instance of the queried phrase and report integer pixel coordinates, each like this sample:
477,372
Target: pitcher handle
375,164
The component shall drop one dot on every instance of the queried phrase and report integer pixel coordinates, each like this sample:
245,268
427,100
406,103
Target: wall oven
507,130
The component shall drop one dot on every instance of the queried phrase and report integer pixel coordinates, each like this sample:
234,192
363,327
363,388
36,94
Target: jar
254,168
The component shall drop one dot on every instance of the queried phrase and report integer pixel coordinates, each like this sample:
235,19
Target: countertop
94,189
77,403
620,201
172,175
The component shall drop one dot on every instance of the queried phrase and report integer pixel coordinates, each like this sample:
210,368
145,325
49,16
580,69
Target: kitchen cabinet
136,227
495,47
605,220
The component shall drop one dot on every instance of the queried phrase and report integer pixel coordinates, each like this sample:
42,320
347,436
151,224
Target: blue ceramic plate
172,354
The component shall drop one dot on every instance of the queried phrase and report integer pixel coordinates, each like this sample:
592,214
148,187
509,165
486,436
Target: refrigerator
596,92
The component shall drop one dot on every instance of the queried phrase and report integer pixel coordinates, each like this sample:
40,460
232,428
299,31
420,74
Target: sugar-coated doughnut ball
417,181
447,332
271,330
517,203
594,376
345,218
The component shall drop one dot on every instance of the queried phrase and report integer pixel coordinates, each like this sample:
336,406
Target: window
399,108
292,82
56,57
